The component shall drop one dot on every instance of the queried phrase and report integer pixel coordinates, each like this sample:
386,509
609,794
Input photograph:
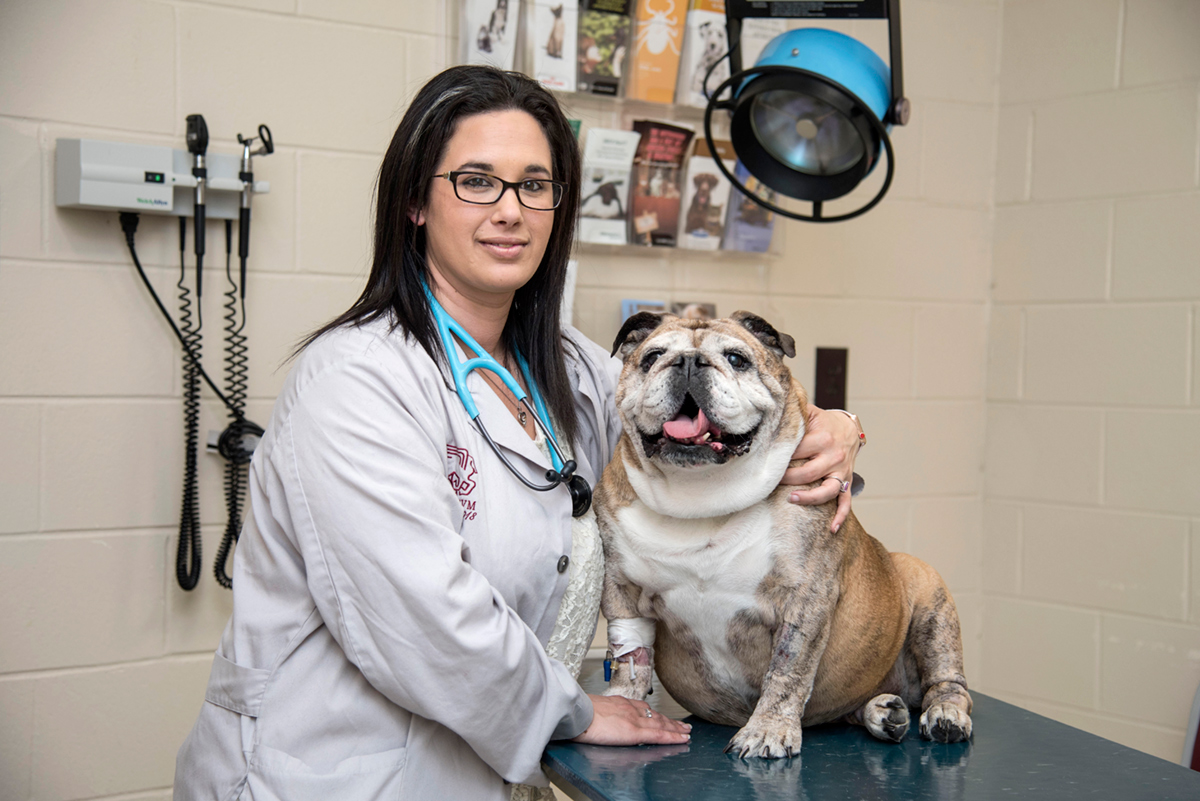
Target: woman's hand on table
621,721
825,459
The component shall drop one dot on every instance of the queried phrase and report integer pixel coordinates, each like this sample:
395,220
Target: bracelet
862,437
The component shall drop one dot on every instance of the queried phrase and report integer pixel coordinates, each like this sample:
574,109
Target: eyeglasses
539,194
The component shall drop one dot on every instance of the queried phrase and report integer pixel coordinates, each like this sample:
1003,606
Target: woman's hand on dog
621,721
826,454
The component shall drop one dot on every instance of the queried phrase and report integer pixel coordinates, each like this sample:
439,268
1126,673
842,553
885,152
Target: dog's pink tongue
684,427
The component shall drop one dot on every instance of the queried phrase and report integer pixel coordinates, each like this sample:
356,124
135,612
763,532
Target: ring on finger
649,712
843,486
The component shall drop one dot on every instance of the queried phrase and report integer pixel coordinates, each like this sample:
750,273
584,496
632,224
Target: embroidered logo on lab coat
462,478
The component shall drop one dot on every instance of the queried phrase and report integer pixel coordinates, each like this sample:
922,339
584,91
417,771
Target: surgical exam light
810,119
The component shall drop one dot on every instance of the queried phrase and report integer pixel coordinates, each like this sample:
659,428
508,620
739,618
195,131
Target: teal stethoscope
562,472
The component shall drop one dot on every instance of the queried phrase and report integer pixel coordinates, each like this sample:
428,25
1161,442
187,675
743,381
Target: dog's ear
781,344
635,330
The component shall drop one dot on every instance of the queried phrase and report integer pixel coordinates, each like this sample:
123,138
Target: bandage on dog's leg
631,641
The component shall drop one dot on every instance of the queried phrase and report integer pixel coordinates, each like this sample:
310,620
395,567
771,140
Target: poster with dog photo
750,226
704,45
657,171
706,196
604,28
488,33
553,41
607,163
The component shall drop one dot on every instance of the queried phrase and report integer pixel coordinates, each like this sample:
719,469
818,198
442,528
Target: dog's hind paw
886,716
766,739
945,723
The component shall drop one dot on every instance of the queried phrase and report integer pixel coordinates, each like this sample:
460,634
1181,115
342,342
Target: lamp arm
899,111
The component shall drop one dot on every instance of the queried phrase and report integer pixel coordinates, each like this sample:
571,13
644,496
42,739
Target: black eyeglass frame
555,197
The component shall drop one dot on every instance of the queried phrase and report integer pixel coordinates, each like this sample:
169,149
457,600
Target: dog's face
699,392
702,395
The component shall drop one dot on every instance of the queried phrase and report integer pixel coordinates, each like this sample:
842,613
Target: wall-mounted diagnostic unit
117,176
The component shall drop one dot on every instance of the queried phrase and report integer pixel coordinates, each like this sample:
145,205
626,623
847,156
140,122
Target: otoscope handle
244,235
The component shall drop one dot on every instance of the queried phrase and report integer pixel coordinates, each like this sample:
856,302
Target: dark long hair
398,268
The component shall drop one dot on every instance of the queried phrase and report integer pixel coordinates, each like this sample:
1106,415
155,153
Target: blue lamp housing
811,118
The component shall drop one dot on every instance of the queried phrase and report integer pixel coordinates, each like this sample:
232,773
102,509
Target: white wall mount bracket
117,176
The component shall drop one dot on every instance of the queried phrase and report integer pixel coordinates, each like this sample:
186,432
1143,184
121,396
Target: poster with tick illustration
658,37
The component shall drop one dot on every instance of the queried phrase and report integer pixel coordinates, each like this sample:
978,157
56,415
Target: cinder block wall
1091,559
104,659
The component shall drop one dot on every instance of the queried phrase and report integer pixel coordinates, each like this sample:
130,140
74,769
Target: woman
396,587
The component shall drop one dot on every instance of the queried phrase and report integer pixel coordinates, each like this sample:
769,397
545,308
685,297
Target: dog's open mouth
691,429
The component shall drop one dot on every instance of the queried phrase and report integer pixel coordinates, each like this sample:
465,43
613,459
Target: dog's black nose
691,364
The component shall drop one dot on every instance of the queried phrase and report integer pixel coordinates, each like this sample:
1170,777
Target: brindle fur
840,628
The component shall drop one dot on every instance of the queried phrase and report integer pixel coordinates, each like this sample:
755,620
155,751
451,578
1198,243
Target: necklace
516,406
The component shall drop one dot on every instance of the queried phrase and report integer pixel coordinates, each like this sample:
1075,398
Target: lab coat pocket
276,776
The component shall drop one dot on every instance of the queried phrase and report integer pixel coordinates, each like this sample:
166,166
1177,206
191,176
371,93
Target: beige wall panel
1151,461
950,51
1043,453
336,213
1001,548
1194,576
603,269
1039,650
1005,338
16,739
110,64
348,99
1122,562
959,154
42,582
419,17
946,535
1107,354
426,56
299,305
1055,49
130,473
74,331
20,189
1051,251
1149,670
279,6
922,447
1156,246
950,351
878,336
1075,141
20,470
886,519
813,262
945,255
1195,356
1161,742
721,273
1160,41
114,731
1014,151
196,618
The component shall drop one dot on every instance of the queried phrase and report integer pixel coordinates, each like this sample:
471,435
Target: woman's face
486,253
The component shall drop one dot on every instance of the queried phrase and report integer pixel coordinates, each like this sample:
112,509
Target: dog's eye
649,359
736,360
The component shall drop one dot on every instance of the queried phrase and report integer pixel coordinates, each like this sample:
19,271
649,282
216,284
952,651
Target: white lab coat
394,588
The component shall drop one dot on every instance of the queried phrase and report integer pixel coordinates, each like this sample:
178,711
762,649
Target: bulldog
753,613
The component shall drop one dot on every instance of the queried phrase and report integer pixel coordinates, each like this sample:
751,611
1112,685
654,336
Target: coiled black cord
187,557
237,458
240,431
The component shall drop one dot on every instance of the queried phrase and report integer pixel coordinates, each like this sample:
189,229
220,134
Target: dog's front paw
769,739
945,723
886,716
